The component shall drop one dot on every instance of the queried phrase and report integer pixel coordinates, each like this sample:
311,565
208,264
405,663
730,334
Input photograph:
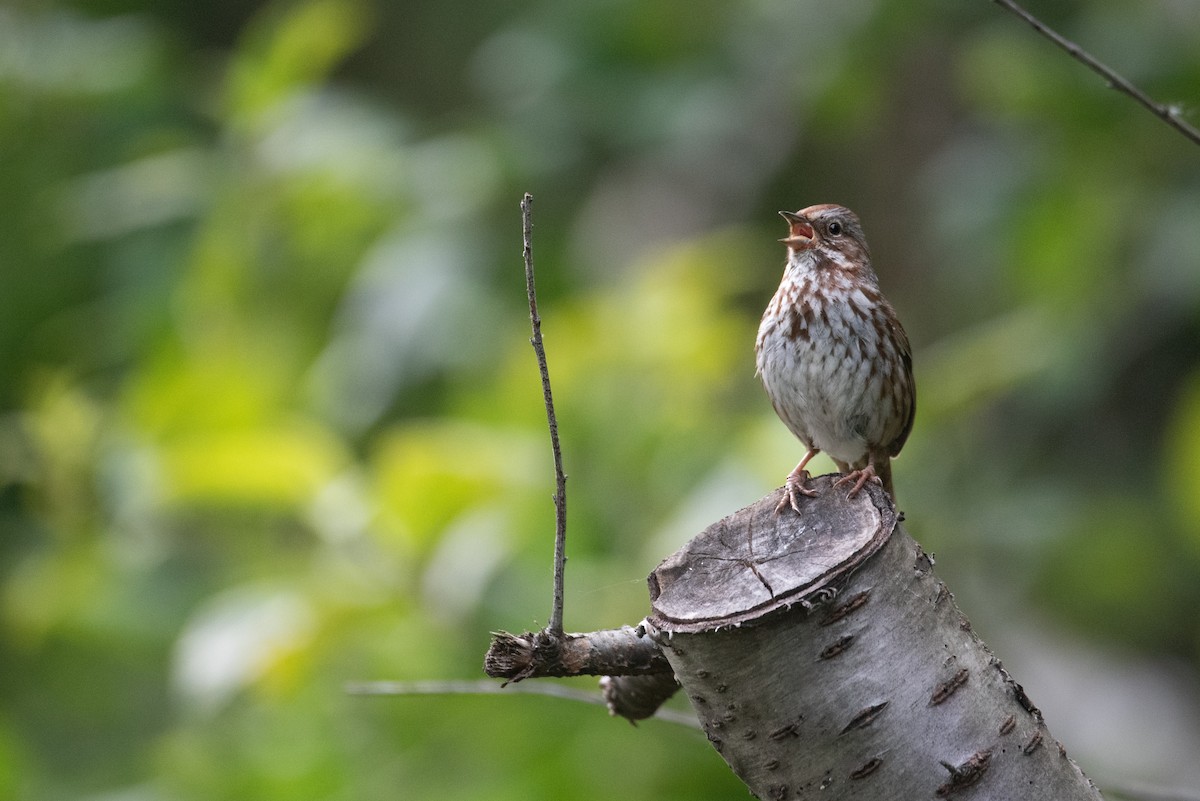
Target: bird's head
829,231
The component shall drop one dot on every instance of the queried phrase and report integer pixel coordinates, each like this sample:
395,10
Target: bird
832,355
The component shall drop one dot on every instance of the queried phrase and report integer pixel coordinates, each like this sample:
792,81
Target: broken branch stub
822,655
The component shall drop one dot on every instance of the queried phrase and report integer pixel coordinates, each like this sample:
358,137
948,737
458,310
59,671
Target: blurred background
270,421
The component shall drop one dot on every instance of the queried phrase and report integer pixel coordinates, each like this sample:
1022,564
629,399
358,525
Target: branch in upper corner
1168,113
555,626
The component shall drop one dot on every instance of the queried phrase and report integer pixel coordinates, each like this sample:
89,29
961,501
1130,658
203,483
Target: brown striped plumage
834,359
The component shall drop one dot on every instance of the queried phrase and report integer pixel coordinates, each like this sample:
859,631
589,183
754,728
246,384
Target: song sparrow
832,355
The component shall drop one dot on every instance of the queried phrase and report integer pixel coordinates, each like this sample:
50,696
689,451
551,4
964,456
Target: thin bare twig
491,688
555,626
471,688
1168,113
1149,792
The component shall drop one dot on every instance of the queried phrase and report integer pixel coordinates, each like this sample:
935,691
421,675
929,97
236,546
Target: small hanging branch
555,627
1170,114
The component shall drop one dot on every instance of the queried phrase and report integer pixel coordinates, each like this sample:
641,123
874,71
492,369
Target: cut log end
758,560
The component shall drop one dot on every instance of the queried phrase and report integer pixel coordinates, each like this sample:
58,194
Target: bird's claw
793,488
859,478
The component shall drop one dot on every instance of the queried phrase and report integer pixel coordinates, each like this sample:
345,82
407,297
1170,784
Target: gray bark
826,660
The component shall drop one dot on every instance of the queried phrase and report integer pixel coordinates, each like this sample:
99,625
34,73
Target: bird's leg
794,485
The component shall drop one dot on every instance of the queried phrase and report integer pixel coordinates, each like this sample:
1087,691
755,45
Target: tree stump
825,660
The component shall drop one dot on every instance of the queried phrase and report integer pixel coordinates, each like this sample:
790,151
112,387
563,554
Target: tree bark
826,660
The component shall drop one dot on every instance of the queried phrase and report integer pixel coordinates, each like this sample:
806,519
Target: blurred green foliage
269,420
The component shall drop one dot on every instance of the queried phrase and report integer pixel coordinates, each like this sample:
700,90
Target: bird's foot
793,489
859,478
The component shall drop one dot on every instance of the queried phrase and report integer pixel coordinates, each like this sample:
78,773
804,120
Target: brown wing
910,395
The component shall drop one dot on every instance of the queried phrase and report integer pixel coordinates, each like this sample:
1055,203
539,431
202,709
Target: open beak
801,235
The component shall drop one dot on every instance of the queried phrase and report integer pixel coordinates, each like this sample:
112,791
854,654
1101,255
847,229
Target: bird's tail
883,469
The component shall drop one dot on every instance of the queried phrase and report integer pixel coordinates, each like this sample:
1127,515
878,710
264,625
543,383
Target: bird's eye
835,228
